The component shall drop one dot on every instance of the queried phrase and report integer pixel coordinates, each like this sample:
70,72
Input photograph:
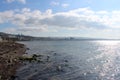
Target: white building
12,36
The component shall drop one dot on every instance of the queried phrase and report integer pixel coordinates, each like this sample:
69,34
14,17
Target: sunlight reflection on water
108,42
109,57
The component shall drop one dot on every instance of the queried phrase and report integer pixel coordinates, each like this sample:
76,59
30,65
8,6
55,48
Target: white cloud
31,29
82,18
10,30
64,5
6,16
53,3
21,1
9,1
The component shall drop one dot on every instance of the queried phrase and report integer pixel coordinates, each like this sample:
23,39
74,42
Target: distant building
12,38
4,38
20,37
8,38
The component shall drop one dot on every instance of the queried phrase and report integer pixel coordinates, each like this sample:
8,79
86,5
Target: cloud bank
82,18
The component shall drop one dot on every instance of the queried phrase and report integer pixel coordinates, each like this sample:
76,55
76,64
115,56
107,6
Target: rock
27,48
66,60
66,65
34,55
30,58
36,70
13,77
55,53
51,51
59,68
48,58
27,58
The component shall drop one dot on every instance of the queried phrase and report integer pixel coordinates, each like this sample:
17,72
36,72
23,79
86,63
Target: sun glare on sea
108,42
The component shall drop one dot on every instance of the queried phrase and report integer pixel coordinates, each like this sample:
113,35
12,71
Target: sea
72,60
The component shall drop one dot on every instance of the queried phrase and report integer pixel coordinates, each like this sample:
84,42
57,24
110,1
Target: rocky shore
9,59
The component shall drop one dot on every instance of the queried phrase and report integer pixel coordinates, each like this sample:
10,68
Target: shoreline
9,59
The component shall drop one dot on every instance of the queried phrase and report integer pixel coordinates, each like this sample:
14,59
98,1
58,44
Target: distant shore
9,59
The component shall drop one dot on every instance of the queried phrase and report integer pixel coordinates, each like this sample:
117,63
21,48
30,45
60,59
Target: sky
61,18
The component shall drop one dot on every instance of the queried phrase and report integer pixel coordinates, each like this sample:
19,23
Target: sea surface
72,60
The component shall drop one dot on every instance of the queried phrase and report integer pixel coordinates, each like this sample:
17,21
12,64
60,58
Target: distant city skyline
61,18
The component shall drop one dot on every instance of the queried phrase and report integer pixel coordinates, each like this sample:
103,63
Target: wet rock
36,70
30,58
39,61
35,55
27,58
51,51
66,60
66,65
59,68
13,77
28,48
48,58
55,53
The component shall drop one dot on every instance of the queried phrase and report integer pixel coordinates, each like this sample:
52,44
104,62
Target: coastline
9,59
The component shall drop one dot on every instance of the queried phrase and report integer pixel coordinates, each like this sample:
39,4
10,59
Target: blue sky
61,18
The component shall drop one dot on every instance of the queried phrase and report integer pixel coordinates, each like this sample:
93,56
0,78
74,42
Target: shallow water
79,60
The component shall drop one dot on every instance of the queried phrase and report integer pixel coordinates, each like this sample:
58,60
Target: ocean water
77,60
